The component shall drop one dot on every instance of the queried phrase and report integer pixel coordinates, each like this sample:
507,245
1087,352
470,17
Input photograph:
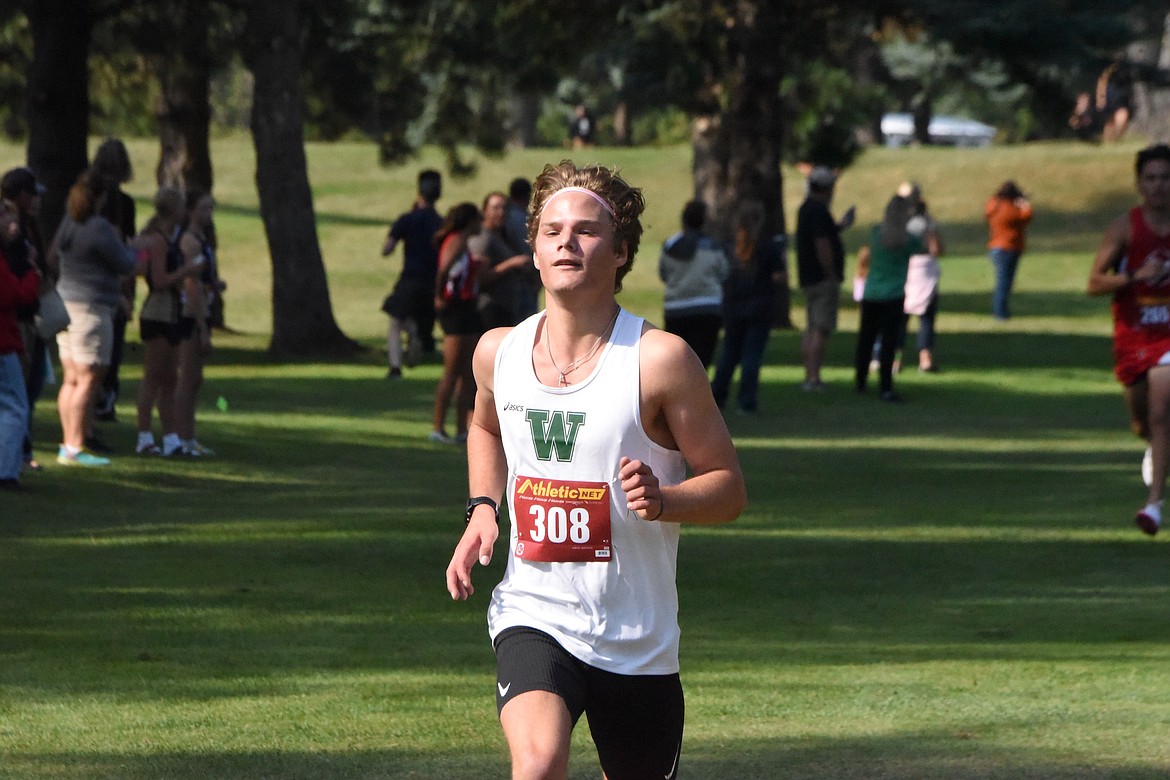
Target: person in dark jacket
112,163
749,301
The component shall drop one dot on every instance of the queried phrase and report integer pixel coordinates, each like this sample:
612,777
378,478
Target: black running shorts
172,332
636,720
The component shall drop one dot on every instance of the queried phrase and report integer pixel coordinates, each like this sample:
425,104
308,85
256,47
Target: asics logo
503,689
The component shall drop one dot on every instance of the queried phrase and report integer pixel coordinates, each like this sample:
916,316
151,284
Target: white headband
590,193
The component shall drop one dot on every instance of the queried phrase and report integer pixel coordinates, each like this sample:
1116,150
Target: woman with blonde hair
93,261
883,263
196,295
160,323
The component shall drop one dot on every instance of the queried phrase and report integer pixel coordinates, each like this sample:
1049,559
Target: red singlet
1141,312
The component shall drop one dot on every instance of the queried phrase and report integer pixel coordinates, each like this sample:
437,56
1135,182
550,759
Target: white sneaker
1150,518
440,438
1148,466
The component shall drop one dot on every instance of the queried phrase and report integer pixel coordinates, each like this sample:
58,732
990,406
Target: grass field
951,588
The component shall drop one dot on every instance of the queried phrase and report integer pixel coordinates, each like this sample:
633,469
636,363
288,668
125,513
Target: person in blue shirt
411,305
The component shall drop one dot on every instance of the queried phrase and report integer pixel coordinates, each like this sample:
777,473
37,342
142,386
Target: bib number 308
561,521
558,526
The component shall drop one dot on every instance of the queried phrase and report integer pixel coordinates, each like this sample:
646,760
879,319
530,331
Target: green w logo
554,431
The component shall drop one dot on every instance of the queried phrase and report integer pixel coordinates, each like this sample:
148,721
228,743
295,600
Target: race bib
561,521
1155,315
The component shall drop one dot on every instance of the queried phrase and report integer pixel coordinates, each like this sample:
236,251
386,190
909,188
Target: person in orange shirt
1008,213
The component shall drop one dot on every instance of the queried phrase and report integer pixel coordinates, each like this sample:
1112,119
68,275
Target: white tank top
617,609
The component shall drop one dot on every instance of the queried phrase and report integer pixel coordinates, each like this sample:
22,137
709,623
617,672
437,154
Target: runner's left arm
679,412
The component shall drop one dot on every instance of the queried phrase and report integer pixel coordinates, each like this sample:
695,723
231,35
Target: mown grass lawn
952,588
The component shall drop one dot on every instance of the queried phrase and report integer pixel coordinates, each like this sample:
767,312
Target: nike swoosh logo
669,775
504,692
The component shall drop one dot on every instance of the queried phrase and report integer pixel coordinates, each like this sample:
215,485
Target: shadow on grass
919,756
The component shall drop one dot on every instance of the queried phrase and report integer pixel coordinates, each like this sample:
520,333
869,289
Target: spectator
582,130
1083,119
162,327
883,263
93,260
199,290
1114,101
922,277
820,261
112,163
516,234
20,187
456,292
501,280
411,305
749,300
693,268
19,284
1008,213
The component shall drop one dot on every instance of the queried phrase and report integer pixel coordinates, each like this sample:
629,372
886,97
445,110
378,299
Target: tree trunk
737,152
184,114
622,121
524,110
302,315
1152,98
923,113
58,101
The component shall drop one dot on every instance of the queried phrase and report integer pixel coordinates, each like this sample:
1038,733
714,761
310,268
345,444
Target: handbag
160,306
51,317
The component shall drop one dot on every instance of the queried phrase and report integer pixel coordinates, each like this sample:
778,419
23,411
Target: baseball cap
20,180
822,176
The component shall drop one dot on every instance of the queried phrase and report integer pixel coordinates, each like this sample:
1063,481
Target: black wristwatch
472,503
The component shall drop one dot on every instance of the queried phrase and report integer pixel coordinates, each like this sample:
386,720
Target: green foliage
826,105
231,97
662,126
123,93
552,126
15,57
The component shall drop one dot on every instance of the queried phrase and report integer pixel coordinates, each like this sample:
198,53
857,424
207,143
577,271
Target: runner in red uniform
1133,265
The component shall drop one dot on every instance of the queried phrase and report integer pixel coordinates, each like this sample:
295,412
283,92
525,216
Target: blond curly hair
626,201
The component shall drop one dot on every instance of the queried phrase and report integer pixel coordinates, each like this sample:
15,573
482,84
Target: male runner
587,418
1133,264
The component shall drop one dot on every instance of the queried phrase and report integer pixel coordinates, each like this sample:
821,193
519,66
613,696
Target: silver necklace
573,365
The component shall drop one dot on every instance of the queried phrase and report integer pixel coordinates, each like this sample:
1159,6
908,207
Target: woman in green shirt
883,262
